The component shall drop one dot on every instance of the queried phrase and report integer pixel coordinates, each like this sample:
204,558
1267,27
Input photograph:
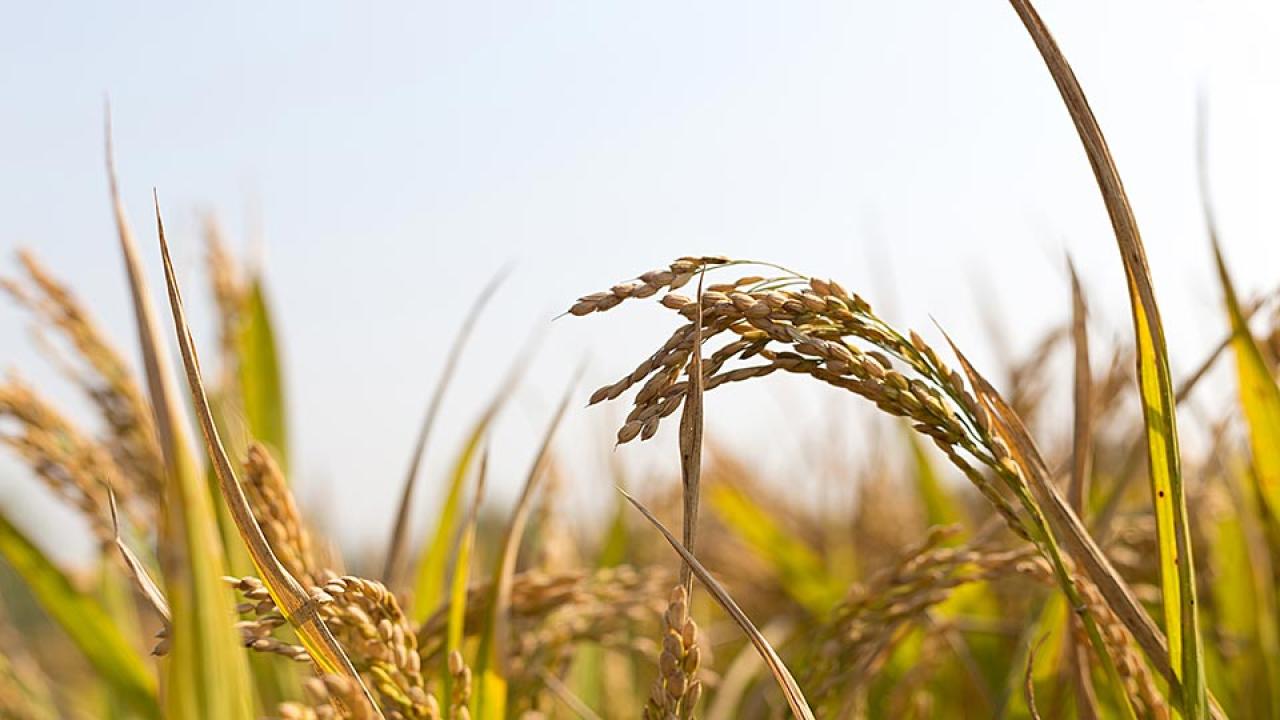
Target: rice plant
1023,576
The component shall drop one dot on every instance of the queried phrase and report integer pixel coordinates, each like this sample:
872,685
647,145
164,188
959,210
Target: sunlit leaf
1177,564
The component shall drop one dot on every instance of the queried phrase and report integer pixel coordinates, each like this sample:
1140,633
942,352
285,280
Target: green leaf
261,384
84,620
392,569
207,670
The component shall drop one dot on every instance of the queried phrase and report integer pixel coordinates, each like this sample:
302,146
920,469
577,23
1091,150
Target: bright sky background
390,159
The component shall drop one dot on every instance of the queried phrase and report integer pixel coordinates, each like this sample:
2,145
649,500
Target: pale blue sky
391,158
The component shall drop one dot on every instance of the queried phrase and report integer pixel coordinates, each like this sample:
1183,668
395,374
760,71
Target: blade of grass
113,592
275,682
1260,403
83,619
1245,599
206,674
1022,448
456,629
1101,522
432,567
790,688
294,603
396,546
1177,563
428,586
161,384
493,653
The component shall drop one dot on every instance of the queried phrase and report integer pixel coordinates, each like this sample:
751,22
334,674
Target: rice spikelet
677,689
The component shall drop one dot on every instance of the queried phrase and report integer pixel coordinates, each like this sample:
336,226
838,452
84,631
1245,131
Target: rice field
1018,563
